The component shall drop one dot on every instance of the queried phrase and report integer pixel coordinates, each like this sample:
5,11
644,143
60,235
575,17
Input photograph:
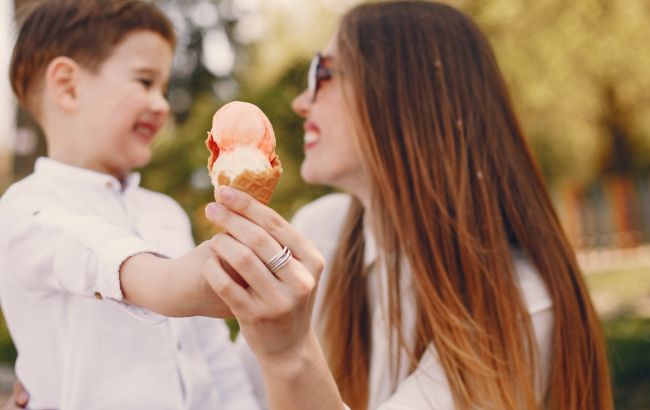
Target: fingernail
23,398
214,210
226,193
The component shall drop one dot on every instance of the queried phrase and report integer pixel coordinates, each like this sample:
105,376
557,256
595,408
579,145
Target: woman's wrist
292,361
300,375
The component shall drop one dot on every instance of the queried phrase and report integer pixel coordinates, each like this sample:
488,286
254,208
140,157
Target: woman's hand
274,311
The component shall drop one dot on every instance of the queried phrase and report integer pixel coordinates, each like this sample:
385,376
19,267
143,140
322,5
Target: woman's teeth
310,137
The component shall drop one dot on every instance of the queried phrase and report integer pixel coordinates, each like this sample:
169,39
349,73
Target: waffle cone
259,185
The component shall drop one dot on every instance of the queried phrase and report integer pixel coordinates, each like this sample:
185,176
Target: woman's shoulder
324,217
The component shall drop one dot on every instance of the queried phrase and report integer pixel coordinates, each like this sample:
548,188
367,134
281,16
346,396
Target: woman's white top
427,387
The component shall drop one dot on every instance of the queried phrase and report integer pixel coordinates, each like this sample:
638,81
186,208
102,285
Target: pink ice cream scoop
239,124
242,150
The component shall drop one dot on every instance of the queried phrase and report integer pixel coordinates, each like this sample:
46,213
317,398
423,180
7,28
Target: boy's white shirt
64,233
426,387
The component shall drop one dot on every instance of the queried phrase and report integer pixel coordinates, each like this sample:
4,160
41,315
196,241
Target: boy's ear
61,81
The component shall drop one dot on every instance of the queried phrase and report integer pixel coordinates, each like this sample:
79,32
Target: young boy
94,75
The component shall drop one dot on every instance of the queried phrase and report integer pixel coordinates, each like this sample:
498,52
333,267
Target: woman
451,284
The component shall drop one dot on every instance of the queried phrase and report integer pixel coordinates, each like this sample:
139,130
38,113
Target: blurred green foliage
628,340
7,349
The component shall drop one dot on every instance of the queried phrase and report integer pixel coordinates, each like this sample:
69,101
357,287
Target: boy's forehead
144,51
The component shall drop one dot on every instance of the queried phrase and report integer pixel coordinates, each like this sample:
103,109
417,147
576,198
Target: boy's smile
123,105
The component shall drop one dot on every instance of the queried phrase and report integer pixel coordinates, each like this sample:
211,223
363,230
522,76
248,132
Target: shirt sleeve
227,370
46,248
253,370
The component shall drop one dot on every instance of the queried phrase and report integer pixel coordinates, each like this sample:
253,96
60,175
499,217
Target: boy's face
123,105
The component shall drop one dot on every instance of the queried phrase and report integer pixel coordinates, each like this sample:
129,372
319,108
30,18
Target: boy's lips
146,130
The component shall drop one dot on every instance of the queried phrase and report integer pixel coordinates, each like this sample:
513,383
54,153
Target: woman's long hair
455,190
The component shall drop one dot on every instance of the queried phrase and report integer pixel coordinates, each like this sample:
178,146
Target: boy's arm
171,287
47,248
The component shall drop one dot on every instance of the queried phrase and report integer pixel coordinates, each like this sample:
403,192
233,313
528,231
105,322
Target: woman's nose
300,105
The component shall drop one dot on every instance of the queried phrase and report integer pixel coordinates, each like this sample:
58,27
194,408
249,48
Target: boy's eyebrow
146,70
153,72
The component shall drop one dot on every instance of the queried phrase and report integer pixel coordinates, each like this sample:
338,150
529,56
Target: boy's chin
136,162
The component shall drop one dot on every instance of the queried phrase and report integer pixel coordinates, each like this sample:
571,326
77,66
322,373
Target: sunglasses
317,74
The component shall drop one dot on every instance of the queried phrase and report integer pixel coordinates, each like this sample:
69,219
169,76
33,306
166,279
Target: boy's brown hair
84,30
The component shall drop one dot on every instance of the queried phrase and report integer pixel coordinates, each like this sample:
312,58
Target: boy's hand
172,287
18,399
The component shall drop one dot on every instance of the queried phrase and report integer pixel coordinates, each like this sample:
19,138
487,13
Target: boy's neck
68,157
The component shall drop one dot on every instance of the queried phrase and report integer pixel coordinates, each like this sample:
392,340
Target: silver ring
278,261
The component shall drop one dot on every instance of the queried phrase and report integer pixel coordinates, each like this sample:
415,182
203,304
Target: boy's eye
146,82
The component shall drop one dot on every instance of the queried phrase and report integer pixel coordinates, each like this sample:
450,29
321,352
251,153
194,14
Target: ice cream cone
259,185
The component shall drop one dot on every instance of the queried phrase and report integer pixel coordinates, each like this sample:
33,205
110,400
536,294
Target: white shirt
427,387
65,233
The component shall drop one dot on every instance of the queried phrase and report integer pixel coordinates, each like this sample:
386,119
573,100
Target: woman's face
331,155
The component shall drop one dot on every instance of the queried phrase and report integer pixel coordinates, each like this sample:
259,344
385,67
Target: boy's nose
159,104
300,105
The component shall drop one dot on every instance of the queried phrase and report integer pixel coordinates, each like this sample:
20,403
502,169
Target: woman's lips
312,135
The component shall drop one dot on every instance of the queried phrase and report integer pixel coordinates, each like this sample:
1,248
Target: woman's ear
61,82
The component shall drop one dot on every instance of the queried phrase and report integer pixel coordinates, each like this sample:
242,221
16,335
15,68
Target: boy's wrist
191,290
171,287
145,279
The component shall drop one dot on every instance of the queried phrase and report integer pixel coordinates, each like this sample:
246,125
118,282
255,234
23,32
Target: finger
256,239
274,224
224,286
245,262
245,231
21,397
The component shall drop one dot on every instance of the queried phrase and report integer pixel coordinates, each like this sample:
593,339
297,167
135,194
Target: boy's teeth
310,137
143,130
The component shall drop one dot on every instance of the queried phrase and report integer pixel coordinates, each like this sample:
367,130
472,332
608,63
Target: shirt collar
370,249
65,174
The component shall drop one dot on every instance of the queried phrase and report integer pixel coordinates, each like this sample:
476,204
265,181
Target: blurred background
579,73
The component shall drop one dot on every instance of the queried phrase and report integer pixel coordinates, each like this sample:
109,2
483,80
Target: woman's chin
306,174
314,176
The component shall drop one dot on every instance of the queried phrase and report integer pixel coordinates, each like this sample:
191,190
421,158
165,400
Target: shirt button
179,346
98,296
109,184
